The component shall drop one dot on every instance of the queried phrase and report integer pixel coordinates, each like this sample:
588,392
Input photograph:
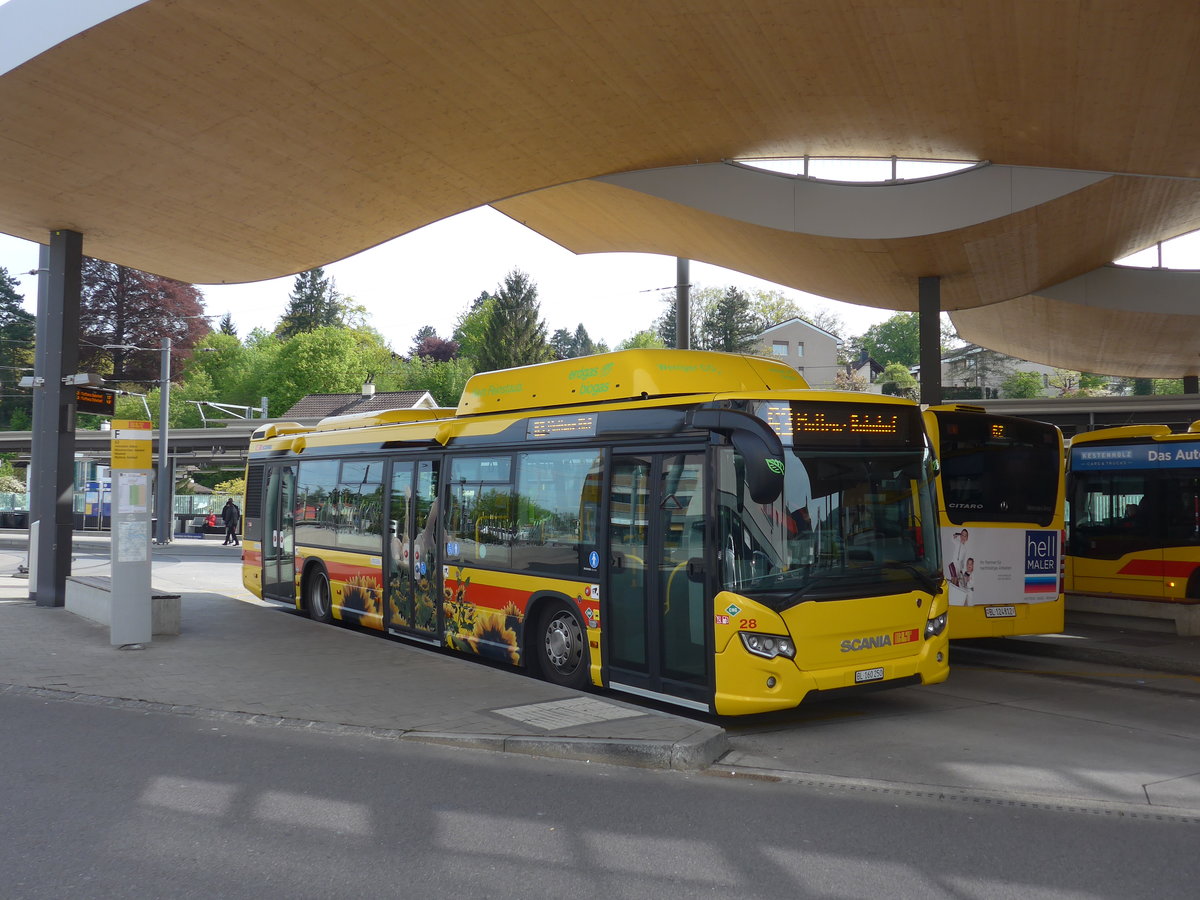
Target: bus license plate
868,675
999,612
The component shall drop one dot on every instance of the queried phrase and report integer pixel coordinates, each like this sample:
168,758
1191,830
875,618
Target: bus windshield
998,469
855,521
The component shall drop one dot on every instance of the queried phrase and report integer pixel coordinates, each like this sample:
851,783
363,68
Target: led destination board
843,424
94,400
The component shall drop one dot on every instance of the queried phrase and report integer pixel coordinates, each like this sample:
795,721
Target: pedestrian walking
232,517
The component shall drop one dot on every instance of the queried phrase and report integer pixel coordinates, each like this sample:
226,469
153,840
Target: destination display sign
548,427
844,424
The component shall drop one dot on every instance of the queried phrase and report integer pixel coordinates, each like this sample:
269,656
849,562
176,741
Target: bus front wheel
317,595
562,647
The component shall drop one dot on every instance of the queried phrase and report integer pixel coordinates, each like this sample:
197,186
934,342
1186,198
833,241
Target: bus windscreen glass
997,469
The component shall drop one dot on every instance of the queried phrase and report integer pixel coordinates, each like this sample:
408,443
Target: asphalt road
107,802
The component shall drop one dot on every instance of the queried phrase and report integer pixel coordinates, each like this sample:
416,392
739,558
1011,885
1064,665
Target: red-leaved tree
122,308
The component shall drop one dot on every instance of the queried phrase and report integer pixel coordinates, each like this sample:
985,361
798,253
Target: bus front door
657,618
414,578
278,534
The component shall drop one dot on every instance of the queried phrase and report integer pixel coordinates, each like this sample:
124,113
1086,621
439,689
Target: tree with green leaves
222,358
181,411
444,380
584,345
773,307
1022,385
226,325
897,381
515,335
17,343
643,340
313,303
565,345
731,326
471,326
894,340
328,360
562,344
1069,383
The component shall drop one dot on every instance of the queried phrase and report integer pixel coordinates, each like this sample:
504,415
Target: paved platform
238,657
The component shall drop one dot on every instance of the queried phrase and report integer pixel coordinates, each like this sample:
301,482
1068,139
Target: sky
431,275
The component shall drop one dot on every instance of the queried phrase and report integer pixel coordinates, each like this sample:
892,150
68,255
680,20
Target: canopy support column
52,461
929,298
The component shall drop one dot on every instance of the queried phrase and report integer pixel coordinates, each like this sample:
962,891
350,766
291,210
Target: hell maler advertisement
990,566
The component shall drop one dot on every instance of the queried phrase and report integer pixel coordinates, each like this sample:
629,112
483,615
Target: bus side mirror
757,444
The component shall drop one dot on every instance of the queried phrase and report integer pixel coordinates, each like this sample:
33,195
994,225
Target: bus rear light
935,626
768,646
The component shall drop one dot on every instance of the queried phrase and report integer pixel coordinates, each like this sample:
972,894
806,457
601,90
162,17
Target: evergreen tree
731,326
17,338
515,335
583,342
313,303
562,344
226,326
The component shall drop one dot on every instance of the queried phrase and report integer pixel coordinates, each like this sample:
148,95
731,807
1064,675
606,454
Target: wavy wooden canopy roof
237,140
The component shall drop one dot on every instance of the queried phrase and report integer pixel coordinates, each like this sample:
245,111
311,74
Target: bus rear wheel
562,647
317,596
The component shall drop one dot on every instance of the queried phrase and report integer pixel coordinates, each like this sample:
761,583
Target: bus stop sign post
131,619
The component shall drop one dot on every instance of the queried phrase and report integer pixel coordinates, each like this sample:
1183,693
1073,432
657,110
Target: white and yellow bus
693,527
1000,498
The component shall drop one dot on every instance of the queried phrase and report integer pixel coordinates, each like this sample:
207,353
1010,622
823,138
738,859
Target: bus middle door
657,621
414,577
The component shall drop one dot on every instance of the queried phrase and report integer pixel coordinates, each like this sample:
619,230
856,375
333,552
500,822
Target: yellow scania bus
1000,497
1134,500
693,527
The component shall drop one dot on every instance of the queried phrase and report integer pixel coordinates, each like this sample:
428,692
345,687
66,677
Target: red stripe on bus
1158,568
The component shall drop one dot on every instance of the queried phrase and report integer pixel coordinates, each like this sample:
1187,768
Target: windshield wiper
930,583
803,592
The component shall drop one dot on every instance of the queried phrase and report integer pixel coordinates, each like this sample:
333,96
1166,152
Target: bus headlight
935,626
768,646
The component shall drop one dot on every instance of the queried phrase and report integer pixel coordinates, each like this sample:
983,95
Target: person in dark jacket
232,517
